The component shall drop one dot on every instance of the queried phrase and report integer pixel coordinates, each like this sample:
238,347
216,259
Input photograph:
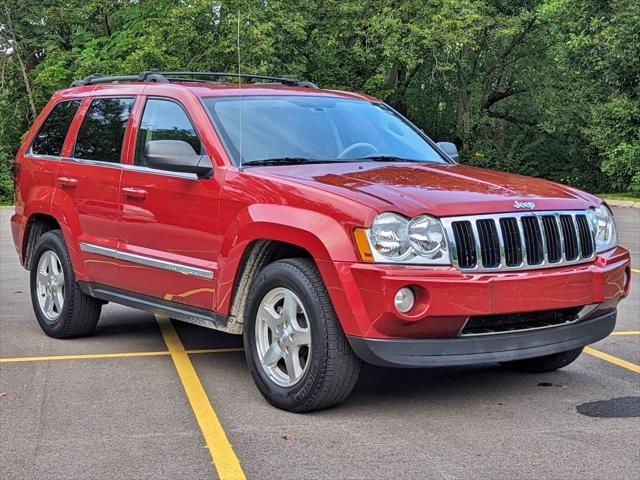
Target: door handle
136,193
67,182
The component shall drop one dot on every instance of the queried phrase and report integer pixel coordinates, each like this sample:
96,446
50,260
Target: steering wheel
357,145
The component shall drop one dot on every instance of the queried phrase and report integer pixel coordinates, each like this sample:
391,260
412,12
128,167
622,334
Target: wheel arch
37,225
264,233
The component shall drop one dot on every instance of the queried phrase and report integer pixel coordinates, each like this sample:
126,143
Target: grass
620,196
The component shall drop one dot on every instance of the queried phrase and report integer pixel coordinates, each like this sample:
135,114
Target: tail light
16,174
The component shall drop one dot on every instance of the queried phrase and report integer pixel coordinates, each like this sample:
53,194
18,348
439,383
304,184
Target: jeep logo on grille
529,205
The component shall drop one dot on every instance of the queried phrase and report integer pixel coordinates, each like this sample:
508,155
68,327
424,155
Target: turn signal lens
362,242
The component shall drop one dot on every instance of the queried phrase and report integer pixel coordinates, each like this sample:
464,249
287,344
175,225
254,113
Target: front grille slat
489,243
586,240
570,237
512,242
520,240
465,243
533,240
552,236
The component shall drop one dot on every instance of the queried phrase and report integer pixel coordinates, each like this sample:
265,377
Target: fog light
404,300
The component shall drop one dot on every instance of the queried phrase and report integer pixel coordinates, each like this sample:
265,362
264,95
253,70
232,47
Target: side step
177,311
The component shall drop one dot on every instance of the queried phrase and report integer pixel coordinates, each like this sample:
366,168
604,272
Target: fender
320,235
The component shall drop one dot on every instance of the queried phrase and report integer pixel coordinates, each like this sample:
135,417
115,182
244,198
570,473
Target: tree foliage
548,88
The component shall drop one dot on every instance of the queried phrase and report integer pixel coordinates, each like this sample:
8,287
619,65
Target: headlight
396,239
389,236
603,227
427,238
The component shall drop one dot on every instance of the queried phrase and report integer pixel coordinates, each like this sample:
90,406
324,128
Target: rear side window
165,120
102,131
51,136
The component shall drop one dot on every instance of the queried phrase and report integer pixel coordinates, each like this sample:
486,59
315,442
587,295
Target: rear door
168,233
39,165
90,180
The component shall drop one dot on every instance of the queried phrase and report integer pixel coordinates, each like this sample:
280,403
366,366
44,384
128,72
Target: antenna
240,90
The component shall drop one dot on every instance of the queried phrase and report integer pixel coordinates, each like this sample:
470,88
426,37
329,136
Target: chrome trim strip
155,171
98,250
146,261
479,268
543,236
122,166
503,254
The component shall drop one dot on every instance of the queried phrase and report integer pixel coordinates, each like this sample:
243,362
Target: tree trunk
23,67
463,125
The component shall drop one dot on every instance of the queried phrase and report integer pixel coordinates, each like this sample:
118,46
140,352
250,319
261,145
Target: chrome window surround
121,166
147,261
502,267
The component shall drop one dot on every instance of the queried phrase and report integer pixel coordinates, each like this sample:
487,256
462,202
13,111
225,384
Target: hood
438,189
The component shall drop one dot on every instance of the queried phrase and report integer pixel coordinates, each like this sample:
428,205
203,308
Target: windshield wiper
287,161
385,158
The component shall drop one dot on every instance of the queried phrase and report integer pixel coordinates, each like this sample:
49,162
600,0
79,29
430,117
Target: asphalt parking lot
138,401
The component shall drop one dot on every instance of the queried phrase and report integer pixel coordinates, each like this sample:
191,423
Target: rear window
51,136
102,131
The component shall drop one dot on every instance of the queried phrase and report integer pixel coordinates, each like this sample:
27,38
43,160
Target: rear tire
326,372
61,308
544,364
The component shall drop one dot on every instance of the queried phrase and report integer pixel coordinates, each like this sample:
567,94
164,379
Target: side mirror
450,149
177,156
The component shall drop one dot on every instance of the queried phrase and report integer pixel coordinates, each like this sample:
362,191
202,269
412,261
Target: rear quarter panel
35,184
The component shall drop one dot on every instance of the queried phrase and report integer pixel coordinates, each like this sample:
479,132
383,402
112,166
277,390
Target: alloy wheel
50,285
283,337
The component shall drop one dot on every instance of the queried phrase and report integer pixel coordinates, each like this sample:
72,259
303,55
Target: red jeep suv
321,225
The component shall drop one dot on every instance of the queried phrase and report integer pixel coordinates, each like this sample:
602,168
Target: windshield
314,129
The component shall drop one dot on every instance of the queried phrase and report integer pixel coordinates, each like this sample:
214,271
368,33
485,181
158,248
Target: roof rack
167,77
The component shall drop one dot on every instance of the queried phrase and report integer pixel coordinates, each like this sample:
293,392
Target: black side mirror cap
450,149
177,156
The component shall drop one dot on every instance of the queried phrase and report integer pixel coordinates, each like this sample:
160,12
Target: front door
168,231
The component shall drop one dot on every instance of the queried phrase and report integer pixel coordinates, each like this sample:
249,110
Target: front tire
61,308
295,347
548,363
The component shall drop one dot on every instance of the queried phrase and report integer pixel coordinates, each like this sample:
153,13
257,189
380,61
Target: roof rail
146,76
155,75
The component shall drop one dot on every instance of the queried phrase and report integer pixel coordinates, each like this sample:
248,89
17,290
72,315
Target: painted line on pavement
222,454
89,356
623,333
611,359
93,356
635,270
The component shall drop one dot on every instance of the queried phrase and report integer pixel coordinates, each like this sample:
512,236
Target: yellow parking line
635,270
629,332
611,359
81,356
215,350
222,454
91,356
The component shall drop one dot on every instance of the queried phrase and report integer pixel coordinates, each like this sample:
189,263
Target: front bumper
363,294
482,349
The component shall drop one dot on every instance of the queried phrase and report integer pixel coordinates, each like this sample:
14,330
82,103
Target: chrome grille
519,241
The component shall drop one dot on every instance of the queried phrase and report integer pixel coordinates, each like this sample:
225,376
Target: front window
260,129
164,120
